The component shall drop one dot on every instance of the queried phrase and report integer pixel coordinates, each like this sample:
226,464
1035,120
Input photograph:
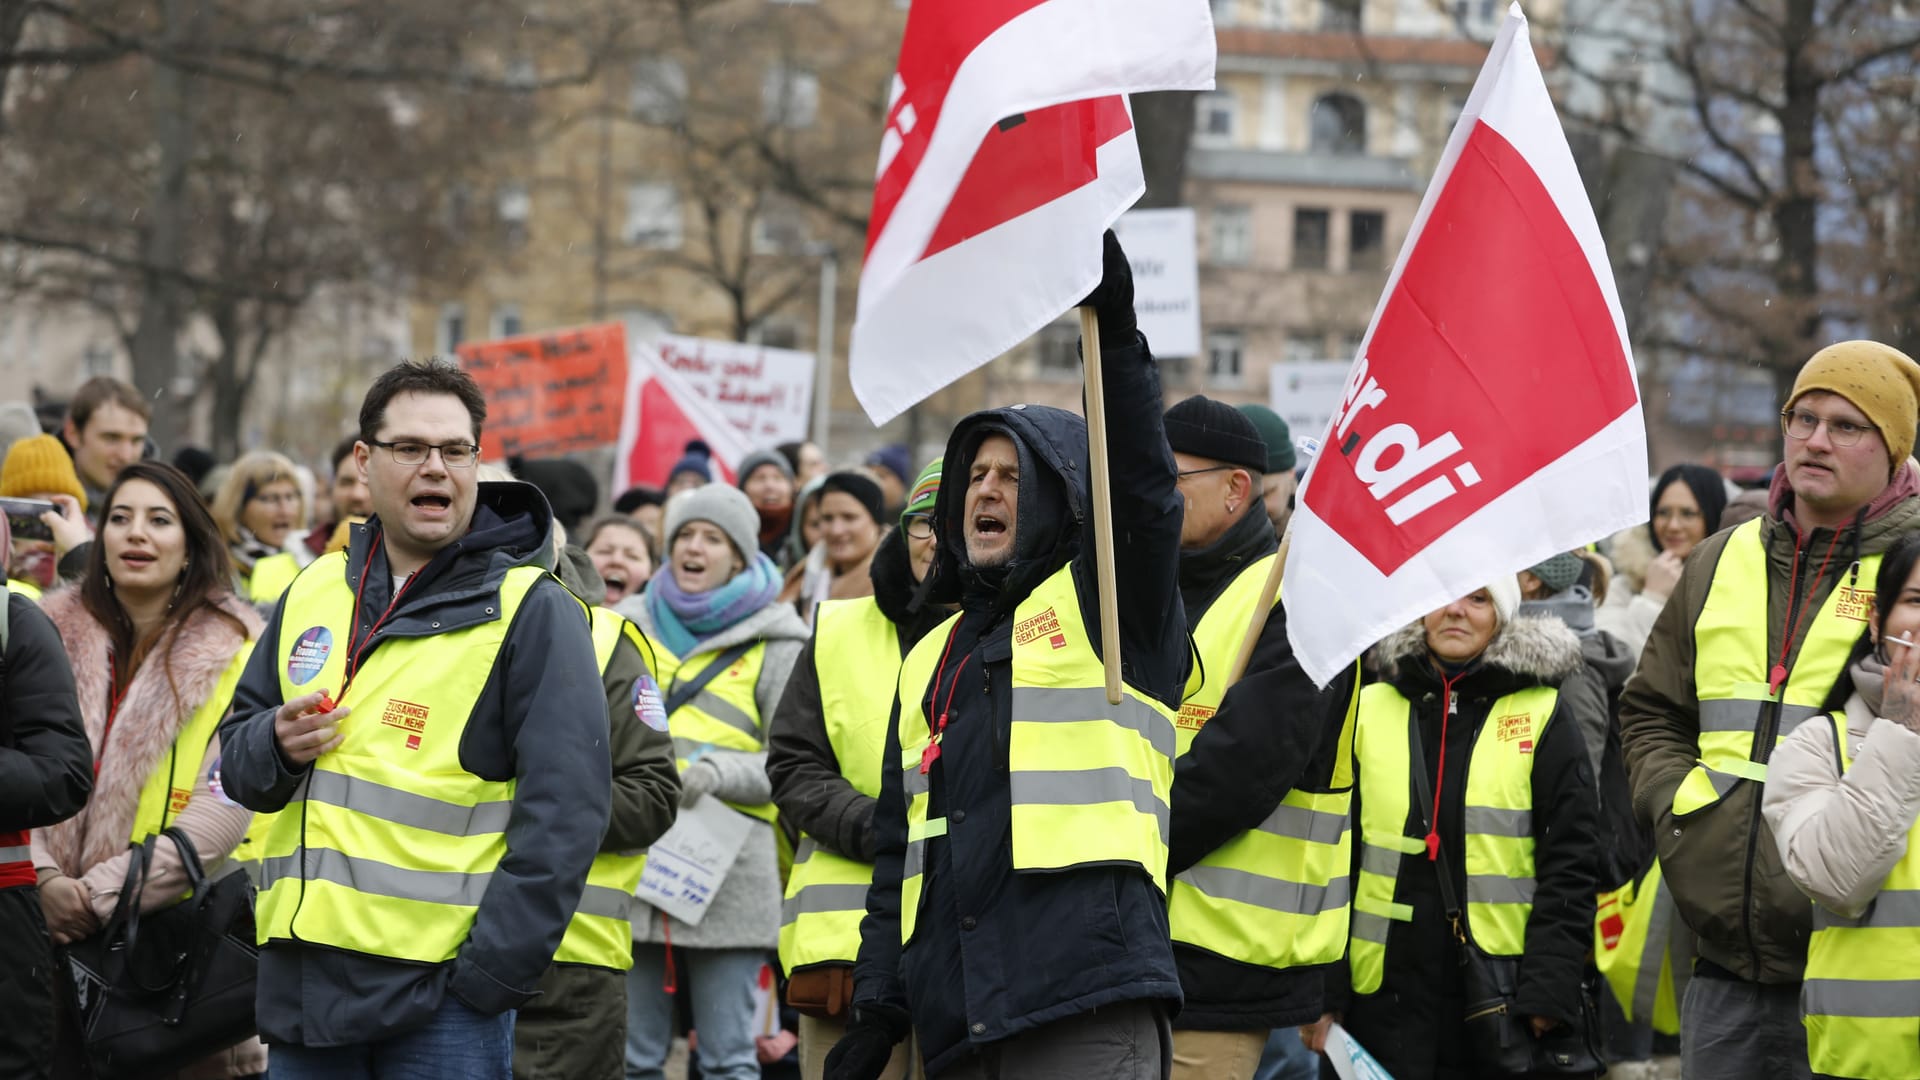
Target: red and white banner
1493,416
734,396
1008,151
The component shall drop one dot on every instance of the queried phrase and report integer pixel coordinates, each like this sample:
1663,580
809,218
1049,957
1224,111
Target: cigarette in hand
1900,641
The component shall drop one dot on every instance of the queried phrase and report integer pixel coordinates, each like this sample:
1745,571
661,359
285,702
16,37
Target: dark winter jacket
997,953
1273,733
541,721
46,764
1413,1023
1722,864
808,786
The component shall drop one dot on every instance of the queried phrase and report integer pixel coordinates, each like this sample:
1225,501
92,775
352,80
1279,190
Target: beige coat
1840,835
1628,612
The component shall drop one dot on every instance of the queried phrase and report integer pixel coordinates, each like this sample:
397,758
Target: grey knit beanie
762,457
726,507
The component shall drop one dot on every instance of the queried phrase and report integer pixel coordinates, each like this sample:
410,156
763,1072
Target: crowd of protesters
1646,799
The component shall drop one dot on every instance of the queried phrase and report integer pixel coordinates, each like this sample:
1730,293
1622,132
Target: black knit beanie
1216,431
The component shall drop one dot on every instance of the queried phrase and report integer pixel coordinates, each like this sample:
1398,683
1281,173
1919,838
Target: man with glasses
1751,643
824,750
425,713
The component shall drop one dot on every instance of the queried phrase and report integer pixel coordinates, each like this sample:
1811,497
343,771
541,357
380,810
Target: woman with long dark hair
157,640
1685,508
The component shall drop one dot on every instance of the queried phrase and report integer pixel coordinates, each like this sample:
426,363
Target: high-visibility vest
170,784
25,588
1633,933
1278,894
270,578
389,842
856,657
1498,820
724,715
1731,664
600,933
1861,1000
1089,782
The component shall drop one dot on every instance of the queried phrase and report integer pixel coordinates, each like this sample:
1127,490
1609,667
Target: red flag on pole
1493,416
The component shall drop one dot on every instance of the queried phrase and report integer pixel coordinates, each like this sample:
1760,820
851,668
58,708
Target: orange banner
552,393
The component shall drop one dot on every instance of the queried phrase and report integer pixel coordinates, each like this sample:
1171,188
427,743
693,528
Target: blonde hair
248,475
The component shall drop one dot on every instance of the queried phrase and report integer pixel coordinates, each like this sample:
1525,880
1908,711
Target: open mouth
136,559
432,504
693,568
985,525
616,586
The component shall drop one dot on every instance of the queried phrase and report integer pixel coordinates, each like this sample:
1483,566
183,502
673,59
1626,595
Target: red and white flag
1008,151
1493,416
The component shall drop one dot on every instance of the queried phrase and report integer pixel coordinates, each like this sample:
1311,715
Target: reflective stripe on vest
16,859
724,715
1731,661
270,578
1861,998
1497,854
1089,781
600,933
856,658
1633,929
25,588
169,786
1278,894
388,844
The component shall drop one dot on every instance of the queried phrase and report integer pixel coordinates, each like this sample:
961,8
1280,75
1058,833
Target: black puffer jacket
998,953
1414,1023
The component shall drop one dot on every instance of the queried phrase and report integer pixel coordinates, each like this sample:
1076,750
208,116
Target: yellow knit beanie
39,466
1879,380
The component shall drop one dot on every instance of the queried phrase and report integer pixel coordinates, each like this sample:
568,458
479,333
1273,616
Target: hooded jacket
541,720
997,952
46,763
1273,732
1414,1023
1723,867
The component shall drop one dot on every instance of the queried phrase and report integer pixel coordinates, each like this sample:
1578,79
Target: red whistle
326,702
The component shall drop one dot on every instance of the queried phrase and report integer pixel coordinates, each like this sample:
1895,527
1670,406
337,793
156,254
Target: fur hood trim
1535,646
149,718
1630,550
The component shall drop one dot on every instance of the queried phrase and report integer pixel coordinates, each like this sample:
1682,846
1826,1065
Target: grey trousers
1131,1040
1735,1030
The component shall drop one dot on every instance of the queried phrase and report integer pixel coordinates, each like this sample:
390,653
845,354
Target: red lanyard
356,655
1777,678
932,753
113,710
1440,771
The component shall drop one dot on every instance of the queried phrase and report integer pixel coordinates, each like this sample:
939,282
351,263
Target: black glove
863,1052
1112,299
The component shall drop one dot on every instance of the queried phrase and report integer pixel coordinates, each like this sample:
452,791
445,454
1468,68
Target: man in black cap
1259,853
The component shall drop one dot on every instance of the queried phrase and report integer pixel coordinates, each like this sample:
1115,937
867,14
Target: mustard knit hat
1879,380
39,466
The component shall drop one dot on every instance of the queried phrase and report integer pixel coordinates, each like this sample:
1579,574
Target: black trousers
26,985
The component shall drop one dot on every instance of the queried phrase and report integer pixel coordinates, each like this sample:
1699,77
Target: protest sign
734,397
1306,393
686,867
1166,277
549,394
1351,1060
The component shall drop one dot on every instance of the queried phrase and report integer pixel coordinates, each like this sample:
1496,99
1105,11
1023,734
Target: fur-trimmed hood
1630,550
1531,650
149,718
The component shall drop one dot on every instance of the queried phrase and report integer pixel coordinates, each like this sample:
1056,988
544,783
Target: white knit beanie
725,506
1505,591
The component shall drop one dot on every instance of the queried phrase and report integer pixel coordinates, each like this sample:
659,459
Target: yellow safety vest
1498,855
1731,663
856,657
1861,999
389,843
170,784
1090,782
1633,928
724,715
270,578
600,933
1278,894
25,588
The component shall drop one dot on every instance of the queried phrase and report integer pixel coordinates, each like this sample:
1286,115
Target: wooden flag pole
1102,503
1260,612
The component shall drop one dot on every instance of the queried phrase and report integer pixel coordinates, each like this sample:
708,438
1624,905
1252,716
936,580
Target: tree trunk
1795,220
155,342
1164,122
13,23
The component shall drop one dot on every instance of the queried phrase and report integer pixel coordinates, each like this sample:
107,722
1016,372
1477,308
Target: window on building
451,329
522,73
1366,240
513,206
790,96
1225,350
1230,239
1224,12
1340,16
1058,348
1472,12
659,91
653,215
774,335
1339,125
1310,239
1350,344
779,228
506,321
1219,117
1305,345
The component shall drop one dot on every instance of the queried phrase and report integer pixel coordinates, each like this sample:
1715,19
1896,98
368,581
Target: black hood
1051,515
896,591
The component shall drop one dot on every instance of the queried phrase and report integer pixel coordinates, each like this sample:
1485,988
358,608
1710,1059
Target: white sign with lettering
1166,277
686,867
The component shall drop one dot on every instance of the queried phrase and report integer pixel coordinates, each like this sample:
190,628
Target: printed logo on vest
1516,727
309,655
1046,624
1851,603
1193,717
647,704
408,717
177,799
1611,928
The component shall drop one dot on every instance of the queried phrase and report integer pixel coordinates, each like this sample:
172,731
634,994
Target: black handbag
1503,1040
158,992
